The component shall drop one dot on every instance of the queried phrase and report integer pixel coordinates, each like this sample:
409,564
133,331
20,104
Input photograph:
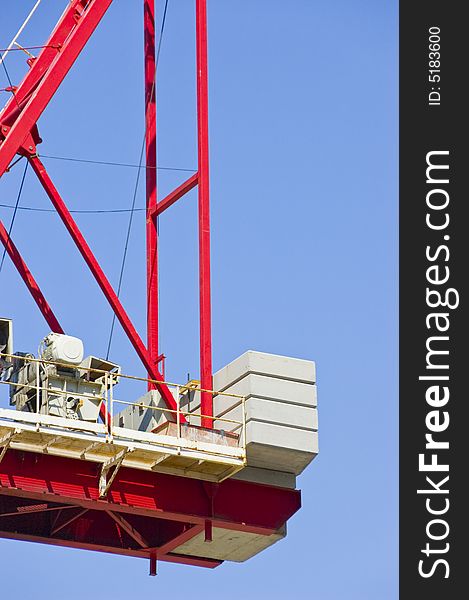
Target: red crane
56,500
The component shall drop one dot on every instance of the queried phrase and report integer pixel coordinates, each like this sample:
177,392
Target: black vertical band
434,353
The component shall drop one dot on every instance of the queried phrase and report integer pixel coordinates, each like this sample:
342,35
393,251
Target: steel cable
12,222
129,227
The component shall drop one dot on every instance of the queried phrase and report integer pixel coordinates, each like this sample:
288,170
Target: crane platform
151,481
57,436
166,476
176,447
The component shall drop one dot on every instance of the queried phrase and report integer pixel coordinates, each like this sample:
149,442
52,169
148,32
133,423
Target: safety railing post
37,387
244,423
64,398
178,417
46,395
111,401
106,403
175,440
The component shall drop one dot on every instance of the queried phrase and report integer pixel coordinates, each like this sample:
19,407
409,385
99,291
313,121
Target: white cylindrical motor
58,347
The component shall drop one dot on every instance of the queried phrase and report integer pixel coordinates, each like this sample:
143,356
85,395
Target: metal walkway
181,447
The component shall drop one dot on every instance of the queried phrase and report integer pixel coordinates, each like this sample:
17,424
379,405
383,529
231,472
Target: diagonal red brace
79,20
102,280
40,65
175,195
29,280
37,295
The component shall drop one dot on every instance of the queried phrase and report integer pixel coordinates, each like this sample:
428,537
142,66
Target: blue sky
303,123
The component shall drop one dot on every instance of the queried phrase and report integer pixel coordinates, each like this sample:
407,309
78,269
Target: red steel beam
129,529
175,195
238,505
67,522
41,63
101,279
98,536
32,96
204,214
151,181
29,281
34,509
180,539
87,15
37,295
172,558
153,564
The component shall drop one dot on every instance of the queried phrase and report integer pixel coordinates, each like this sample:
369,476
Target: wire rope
19,32
113,163
12,222
129,227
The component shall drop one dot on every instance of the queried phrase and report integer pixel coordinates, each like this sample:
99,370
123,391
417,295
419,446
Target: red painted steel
145,514
238,505
153,563
101,278
83,545
187,534
151,180
29,281
87,15
87,529
208,531
175,195
204,214
55,500
41,64
37,295
18,127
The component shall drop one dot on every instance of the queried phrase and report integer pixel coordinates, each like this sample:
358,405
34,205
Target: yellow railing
107,380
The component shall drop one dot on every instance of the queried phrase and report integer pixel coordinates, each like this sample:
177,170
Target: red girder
75,527
101,279
18,134
204,214
237,504
175,195
41,64
29,280
187,534
145,512
151,182
172,558
35,92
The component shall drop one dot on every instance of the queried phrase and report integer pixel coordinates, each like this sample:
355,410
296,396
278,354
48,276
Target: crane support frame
19,135
56,500
100,500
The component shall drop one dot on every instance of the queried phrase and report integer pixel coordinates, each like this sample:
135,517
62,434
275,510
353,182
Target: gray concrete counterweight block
281,409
